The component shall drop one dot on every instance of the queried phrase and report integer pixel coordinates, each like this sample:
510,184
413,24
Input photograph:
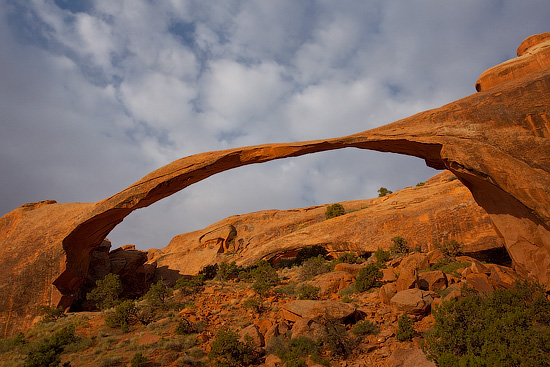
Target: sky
95,94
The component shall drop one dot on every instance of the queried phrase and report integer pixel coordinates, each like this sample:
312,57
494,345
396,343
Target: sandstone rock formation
495,142
440,210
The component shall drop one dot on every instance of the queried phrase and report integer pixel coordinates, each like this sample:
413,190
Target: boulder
480,282
407,279
388,275
352,269
331,283
387,291
254,334
432,280
309,328
413,301
409,357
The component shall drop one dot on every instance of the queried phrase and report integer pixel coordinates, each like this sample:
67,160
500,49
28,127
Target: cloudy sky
94,94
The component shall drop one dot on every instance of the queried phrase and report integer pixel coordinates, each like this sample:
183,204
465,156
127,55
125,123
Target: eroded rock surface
439,211
496,142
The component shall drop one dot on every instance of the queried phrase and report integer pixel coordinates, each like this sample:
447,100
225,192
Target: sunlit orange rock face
439,211
495,141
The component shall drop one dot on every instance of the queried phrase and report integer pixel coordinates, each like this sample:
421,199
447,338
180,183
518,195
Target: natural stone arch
496,142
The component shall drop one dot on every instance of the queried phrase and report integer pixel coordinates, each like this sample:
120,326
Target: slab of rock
387,291
331,283
432,280
413,301
254,333
409,357
309,309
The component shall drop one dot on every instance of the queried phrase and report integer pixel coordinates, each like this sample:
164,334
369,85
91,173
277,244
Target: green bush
405,328
106,292
138,360
209,271
365,327
253,304
315,266
383,192
308,291
265,278
399,246
368,277
9,344
336,339
185,327
449,266
349,258
227,271
51,314
308,252
190,284
47,353
157,294
334,210
451,249
382,256
228,351
505,328
124,315
294,351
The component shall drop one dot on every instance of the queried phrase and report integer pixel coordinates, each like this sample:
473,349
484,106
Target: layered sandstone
439,211
496,142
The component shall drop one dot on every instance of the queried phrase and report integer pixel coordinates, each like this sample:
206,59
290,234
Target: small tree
334,210
51,314
227,271
383,192
307,252
48,352
138,360
124,315
399,246
368,277
158,293
265,277
228,351
106,292
405,328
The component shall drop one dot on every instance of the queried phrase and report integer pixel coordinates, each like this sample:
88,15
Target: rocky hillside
436,211
323,303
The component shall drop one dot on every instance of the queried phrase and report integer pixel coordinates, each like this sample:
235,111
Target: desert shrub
349,258
253,304
336,339
365,327
209,271
51,314
227,271
450,249
308,252
382,256
420,184
109,360
9,344
157,294
228,351
405,328
124,315
506,328
294,351
47,353
308,291
265,278
368,277
315,266
185,327
334,210
399,246
189,285
138,360
383,192
449,266
106,292
287,290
